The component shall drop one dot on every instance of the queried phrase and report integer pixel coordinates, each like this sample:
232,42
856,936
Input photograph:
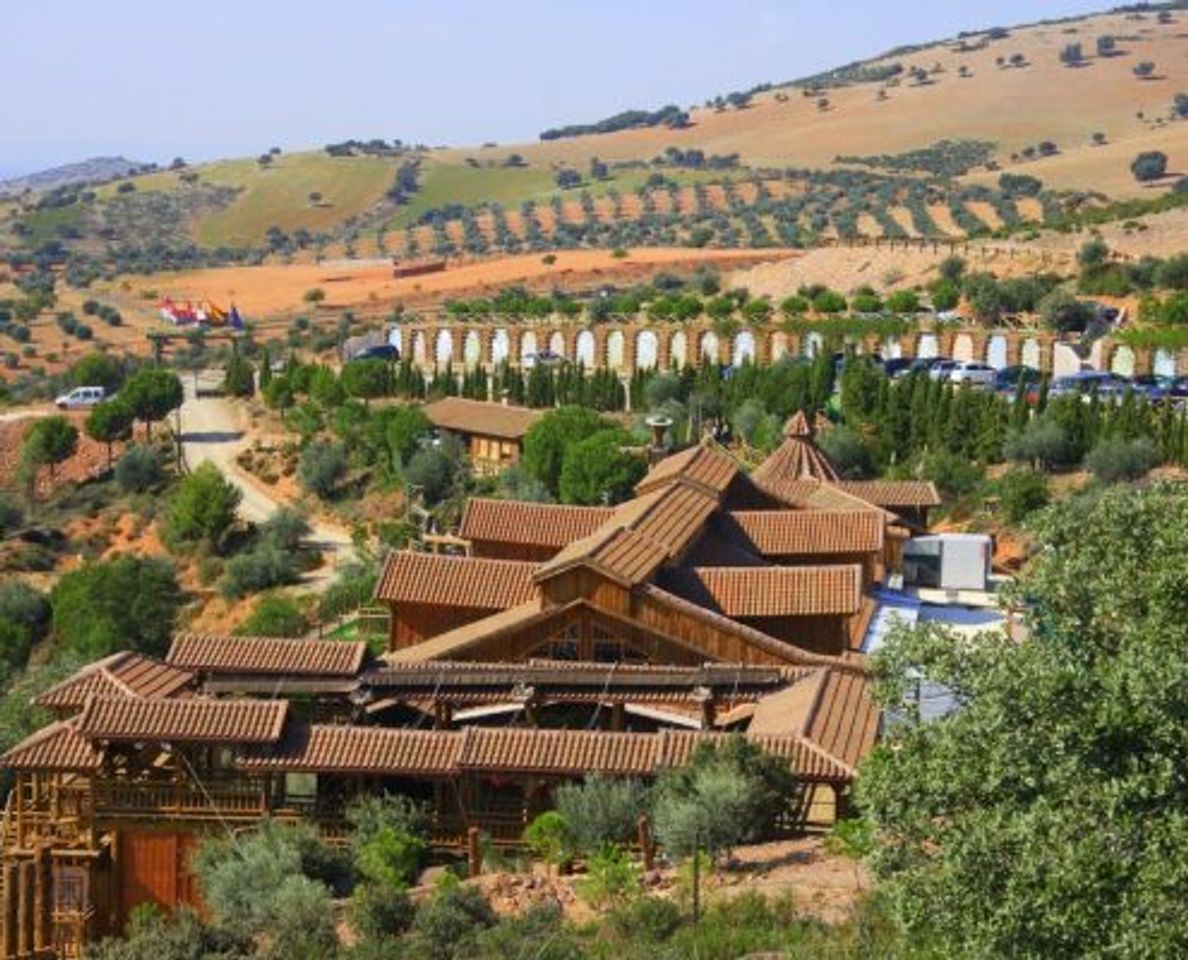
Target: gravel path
212,430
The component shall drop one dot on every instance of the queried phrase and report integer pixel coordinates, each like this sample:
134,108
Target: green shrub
433,470
601,469
1021,492
274,615
601,810
1116,460
447,923
239,377
139,469
548,838
203,508
1043,443
955,476
261,568
648,920
129,603
321,467
612,879
379,912
848,452
11,514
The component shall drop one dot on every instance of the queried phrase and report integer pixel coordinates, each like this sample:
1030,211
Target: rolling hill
852,152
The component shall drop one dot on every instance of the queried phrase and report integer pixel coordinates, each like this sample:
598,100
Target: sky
218,78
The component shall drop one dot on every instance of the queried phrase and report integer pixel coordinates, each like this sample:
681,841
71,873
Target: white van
81,397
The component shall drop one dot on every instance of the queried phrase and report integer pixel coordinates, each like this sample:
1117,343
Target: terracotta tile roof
122,674
512,750
57,747
775,533
703,465
850,494
618,553
845,722
346,749
894,493
797,458
454,644
789,710
190,720
460,415
559,751
640,535
440,580
218,653
532,524
773,591
807,760
674,607
811,494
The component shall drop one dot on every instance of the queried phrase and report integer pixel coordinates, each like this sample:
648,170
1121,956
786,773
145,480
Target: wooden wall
154,867
414,622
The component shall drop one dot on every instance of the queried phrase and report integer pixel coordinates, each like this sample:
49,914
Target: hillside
94,170
908,144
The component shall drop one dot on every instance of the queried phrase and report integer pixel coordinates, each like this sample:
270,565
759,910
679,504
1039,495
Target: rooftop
218,653
440,580
460,415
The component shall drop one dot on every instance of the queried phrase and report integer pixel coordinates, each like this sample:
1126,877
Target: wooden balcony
114,800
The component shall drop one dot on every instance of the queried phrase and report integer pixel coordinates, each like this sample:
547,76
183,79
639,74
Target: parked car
1153,386
1088,382
1178,389
546,358
80,397
973,372
922,365
379,351
1007,379
940,368
896,366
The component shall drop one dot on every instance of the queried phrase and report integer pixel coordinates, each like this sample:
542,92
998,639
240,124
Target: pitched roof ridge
811,713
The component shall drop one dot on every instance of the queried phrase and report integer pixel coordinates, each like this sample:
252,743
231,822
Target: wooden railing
170,799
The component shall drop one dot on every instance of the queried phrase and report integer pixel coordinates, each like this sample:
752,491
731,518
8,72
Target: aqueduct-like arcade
628,347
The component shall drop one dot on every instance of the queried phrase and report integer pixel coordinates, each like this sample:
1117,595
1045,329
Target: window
301,788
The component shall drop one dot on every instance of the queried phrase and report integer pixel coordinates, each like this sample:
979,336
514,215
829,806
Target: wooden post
474,852
25,918
618,716
42,928
8,910
646,844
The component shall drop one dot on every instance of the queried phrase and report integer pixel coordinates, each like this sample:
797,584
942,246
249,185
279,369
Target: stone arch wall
963,348
1065,360
996,351
584,350
500,346
396,339
615,352
1164,363
744,348
443,348
812,344
418,347
708,347
779,346
1122,362
927,346
557,344
647,350
678,349
472,349
528,345
1029,355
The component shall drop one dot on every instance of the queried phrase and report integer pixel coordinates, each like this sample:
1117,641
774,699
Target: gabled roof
217,653
894,493
446,581
776,533
704,466
573,752
124,674
186,721
548,525
773,591
57,747
500,420
620,554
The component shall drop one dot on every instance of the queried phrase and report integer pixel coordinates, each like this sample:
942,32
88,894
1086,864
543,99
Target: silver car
970,371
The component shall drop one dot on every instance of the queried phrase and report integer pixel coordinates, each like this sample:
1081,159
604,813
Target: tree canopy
551,436
1046,816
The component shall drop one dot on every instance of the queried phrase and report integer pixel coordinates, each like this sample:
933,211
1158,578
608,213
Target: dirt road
212,430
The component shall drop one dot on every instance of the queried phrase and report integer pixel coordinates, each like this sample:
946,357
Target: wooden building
571,641
493,432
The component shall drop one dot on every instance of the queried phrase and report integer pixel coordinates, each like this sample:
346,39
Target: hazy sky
215,78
